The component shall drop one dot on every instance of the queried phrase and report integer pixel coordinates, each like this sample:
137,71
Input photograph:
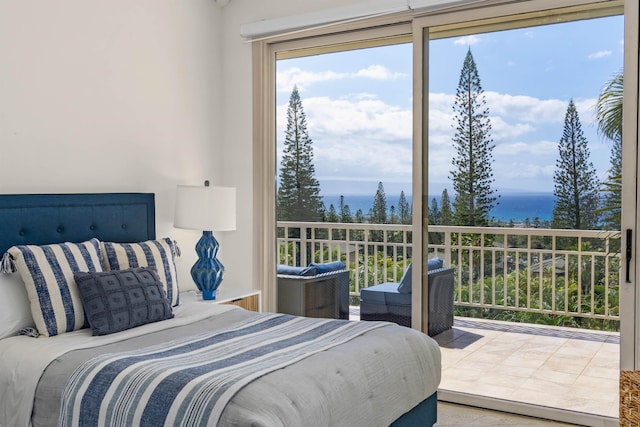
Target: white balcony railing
571,273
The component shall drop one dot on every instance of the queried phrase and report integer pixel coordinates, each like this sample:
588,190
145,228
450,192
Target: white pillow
15,311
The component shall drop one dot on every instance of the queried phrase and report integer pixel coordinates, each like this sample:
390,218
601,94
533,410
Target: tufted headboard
53,218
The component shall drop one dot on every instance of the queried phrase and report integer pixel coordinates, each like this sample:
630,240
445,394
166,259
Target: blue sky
358,105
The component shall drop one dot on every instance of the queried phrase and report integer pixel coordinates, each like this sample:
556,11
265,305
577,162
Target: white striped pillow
158,254
47,272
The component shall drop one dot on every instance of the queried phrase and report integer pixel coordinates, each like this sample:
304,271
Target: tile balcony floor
567,368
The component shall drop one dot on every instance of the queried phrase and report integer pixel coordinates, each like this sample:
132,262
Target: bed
67,360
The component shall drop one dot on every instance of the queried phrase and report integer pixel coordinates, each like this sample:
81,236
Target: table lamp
208,209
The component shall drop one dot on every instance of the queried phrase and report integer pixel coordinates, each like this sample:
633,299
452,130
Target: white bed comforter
392,369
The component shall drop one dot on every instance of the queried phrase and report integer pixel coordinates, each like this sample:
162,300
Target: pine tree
612,188
332,216
299,192
359,216
379,210
393,216
434,212
345,212
404,210
446,214
378,213
472,176
576,182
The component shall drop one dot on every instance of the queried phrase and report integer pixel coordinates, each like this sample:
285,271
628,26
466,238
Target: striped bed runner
189,382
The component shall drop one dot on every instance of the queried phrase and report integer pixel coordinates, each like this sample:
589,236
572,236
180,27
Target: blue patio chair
391,302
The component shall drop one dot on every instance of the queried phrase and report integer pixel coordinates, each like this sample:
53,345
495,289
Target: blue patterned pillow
47,272
122,299
158,254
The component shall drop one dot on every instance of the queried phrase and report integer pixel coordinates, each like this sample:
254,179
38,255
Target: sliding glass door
521,191
505,107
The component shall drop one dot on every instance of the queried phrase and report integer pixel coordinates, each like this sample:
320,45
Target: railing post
447,247
303,245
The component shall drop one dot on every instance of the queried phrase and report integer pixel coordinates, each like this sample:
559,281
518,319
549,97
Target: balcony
537,310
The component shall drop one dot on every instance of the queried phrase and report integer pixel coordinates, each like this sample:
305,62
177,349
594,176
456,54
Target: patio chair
392,301
319,290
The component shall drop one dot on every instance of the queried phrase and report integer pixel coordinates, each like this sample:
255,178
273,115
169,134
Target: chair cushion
404,286
328,267
289,270
386,294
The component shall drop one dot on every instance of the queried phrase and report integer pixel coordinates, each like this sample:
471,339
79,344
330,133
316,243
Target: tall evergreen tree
332,215
359,216
472,176
446,214
379,210
299,193
404,209
345,212
575,179
434,212
393,216
612,199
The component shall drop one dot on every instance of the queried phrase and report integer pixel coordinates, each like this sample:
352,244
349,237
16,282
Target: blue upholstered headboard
53,218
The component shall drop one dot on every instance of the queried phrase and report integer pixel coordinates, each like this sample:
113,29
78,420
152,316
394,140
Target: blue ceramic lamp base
208,271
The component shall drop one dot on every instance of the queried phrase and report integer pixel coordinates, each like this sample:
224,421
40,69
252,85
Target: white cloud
599,54
378,72
521,148
526,108
501,130
467,40
295,76
363,115
287,79
520,171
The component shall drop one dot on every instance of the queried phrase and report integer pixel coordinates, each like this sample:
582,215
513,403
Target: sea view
510,206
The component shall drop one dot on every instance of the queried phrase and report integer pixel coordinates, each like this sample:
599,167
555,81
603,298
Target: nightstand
248,299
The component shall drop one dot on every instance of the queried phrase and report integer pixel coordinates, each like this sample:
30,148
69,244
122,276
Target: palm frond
609,108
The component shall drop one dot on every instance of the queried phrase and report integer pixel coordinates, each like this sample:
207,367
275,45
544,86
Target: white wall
108,96
237,89
137,95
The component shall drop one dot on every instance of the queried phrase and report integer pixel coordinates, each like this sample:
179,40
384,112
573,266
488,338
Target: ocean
510,206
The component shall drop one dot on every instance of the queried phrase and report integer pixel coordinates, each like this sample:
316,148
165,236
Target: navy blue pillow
328,267
122,299
405,283
288,270
435,263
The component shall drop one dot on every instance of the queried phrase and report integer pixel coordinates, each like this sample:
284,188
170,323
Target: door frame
629,297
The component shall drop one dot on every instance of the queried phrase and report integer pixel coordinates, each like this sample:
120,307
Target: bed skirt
423,414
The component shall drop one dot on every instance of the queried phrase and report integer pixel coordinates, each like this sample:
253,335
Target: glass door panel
524,202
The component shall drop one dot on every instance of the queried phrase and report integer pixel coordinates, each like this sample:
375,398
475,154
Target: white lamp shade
205,208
